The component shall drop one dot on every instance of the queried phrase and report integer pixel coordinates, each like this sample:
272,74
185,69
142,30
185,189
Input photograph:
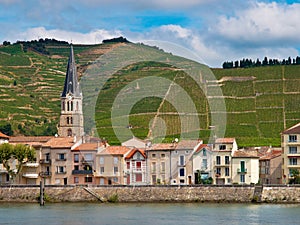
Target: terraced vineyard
260,101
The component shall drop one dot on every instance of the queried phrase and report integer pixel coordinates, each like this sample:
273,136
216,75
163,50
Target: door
196,178
189,179
242,166
65,181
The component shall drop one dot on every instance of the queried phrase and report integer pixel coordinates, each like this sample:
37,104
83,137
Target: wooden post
42,202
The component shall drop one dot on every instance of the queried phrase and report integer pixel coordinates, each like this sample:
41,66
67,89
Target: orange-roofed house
84,162
270,167
56,160
202,164
136,167
222,152
110,165
245,167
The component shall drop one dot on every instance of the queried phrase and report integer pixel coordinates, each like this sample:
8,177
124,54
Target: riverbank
161,193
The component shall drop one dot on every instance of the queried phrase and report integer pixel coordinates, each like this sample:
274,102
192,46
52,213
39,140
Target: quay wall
199,193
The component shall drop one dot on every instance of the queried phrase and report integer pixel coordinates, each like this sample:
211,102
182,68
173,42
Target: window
181,160
293,161
218,160
138,156
292,138
88,179
267,170
47,157
163,167
101,160
222,147
116,160
153,167
226,160
88,157
101,181
138,177
76,167
116,169
242,178
60,169
153,155
181,172
63,105
187,152
218,171
204,164
69,120
76,158
226,171
138,166
76,180
128,165
163,155
115,180
102,170
204,152
292,150
153,179
69,132
243,169
61,156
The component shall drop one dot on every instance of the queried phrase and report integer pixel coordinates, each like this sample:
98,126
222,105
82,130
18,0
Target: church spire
71,85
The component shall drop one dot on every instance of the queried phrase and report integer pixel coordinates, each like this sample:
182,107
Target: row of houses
65,160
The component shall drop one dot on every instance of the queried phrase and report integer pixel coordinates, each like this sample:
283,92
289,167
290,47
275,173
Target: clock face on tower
70,97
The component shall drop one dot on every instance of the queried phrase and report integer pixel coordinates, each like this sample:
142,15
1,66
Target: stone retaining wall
241,194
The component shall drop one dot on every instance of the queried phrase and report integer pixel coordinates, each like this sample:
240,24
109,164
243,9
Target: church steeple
71,82
71,116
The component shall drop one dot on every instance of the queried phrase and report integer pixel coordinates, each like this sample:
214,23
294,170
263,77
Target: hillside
260,101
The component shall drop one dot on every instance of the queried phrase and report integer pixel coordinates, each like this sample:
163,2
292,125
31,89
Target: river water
150,213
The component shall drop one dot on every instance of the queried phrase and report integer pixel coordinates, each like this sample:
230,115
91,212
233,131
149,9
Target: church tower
71,116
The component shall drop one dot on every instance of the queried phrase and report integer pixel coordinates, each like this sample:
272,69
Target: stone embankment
199,193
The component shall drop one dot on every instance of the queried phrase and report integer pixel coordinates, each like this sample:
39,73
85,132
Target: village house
270,167
245,167
136,167
3,138
202,163
290,143
84,162
222,153
110,165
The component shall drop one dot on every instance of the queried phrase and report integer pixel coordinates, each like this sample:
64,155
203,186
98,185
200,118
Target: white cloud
95,36
263,23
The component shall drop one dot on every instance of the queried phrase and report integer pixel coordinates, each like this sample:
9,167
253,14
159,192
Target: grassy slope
258,109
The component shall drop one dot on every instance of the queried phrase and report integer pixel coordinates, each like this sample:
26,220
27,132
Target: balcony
74,172
61,159
31,175
63,172
239,170
45,161
45,174
31,164
87,161
221,164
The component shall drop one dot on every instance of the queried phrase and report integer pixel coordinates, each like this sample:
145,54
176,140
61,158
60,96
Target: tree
295,174
19,153
6,129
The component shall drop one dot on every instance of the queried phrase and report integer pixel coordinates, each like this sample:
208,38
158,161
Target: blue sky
209,31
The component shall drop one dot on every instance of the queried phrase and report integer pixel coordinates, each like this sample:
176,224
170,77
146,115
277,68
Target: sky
208,31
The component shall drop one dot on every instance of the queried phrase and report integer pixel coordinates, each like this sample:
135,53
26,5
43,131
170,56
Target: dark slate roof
71,82
293,130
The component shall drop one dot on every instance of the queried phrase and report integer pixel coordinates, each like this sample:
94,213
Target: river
150,213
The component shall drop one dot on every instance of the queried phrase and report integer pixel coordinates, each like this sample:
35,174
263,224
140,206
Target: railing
45,174
31,164
89,161
45,161
82,172
61,159
64,172
242,170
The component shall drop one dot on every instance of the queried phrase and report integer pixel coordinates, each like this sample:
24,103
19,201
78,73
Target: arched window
77,106
68,120
63,105
71,120
71,103
69,132
68,106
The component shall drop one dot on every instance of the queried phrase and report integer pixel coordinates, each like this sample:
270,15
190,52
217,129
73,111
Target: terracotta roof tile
163,146
245,154
293,130
3,135
27,139
133,151
225,140
271,155
115,150
187,144
60,142
199,149
89,146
